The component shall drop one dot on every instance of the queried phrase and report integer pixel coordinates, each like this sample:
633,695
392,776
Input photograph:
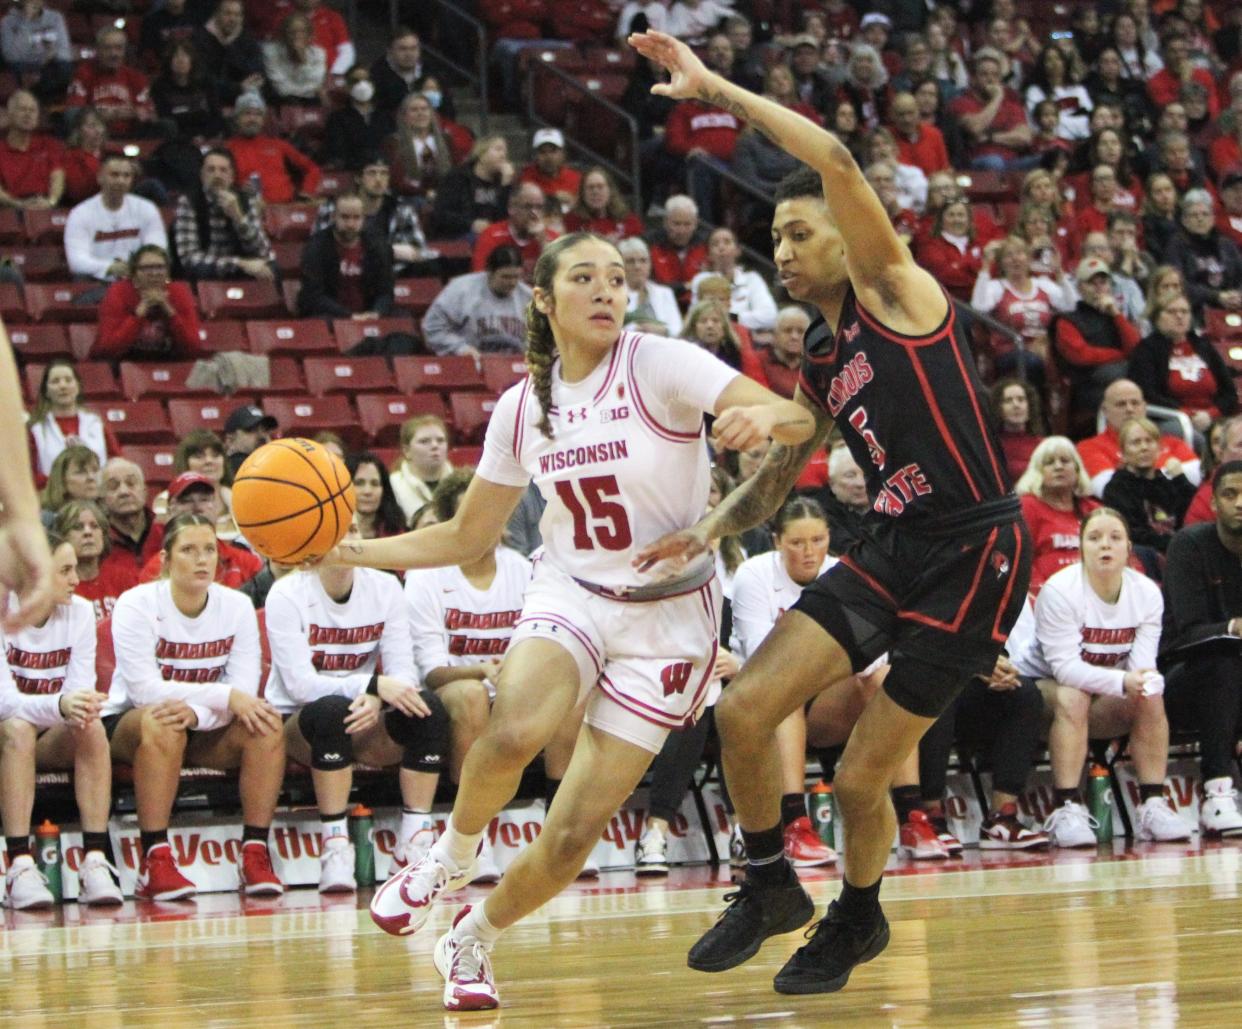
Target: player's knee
568,845
322,724
733,722
857,786
160,736
424,741
467,702
515,741
1071,706
19,738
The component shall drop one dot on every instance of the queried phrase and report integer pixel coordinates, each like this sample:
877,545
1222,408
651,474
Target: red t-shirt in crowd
676,268
567,180
615,229
1009,115
1200,509
692,125
500,234
782,380
927,152
1102,452
1055,535
271,158
113,579
92,86
1191,381
349,289
28,173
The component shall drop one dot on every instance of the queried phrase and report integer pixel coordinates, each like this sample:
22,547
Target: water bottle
1100,802
364,850
822,814
255,183
47,855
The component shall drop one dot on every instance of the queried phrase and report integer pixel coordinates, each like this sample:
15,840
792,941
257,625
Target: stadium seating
292,336
39,342
55,302
381,415
307,415
465,457
98,380
12,228
349,333
470,414
419,374
155,461
340,374
137,421
40,264
223,335
415,295
500,371
45,225
157,379
12,303
186,414
290,222
240,299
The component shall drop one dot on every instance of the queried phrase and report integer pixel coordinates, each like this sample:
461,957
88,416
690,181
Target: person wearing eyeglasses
146,315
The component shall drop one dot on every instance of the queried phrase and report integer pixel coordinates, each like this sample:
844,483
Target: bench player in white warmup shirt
1092,648
610,427
48,686
462,619
328,630
185,690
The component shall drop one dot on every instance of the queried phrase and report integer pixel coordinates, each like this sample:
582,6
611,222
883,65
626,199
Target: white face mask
434,99
362,91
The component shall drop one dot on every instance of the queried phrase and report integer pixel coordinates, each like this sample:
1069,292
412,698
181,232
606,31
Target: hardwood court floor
1149,936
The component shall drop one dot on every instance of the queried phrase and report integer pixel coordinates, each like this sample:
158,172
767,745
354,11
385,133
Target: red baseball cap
185,481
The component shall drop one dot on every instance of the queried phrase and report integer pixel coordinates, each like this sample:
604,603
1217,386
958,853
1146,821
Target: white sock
335,828
414,821
460,848
475,925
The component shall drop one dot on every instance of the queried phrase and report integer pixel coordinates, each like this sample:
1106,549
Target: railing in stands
477,79
757,260
630,180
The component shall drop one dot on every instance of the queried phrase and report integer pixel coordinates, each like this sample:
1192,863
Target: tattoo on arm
353,548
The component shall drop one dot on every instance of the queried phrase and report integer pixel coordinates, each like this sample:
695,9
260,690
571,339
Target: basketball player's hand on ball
258,716
405,697
686,70
678,549
741,428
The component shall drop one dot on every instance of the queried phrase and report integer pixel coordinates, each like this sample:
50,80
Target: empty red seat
137,421
1231,351
381,415
201,413
349,333
45,225
82,336
334,183
290,221
306,416
12,229
416,295
500,371
341,374
286,376
294,336
157,379
470,413
418,374
241,299
465,457
54,302
1220,324
12,303
39,342
41,264
155,461
289,257
222,335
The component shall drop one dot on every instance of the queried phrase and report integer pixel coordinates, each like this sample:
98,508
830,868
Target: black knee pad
322,722
921,688
424,740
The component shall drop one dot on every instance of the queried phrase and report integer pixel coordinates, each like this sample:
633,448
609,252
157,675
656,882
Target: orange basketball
293,500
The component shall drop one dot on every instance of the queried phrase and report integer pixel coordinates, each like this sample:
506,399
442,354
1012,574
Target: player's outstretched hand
678,548
25,573
687,71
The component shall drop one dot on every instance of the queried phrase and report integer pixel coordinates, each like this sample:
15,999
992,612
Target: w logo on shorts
675,677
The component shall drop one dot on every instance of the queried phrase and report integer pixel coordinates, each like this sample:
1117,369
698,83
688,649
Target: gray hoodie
466,313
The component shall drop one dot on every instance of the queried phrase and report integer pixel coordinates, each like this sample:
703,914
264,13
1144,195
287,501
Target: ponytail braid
540,355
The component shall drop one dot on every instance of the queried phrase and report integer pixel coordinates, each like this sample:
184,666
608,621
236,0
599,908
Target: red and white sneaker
159,878
255,875
402,904
1001,830
466,970
919,839
804,848
951,843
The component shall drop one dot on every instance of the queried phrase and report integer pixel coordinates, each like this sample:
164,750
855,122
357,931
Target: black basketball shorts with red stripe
945,594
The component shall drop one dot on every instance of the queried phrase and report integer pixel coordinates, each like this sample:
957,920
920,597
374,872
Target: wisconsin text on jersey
576,457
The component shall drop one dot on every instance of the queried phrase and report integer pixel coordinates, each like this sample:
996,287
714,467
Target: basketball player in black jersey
936,581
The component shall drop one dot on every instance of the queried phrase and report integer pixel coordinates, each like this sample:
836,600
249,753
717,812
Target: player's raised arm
475,529
880,265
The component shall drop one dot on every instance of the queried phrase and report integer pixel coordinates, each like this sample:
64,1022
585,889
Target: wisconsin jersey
627,462
453,623
47,660
322,647
912,411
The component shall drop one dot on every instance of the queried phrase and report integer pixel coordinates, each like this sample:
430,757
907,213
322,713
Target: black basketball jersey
912,411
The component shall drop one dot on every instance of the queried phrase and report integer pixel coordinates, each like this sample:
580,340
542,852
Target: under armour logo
576,414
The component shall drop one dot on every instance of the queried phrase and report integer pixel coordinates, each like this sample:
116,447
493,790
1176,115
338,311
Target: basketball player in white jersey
329,629
609,425
462,618
186,689
49,683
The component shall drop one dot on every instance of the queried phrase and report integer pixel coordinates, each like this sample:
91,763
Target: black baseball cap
248,418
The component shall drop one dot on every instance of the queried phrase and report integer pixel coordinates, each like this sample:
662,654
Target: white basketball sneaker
97,881
486,870
27,889
1159,822
413,847
1071,825
403,903
336,866
466,969
1218,815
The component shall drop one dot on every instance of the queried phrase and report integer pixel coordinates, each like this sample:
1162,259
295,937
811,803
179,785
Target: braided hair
540,344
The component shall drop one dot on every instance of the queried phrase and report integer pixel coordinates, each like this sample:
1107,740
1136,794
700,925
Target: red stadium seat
219,336
157,379
45,225
465,457
205,413
418,374
82,336
12,229
39,342
382,415
610,59
156,462
292,336
12,303
241,299
340,374
41,264
334,183
289,258
1219,324
500,371
416,295
137,421
991,186
349,333
286,376
305,416
290,221
54,302
1231,351
470,413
